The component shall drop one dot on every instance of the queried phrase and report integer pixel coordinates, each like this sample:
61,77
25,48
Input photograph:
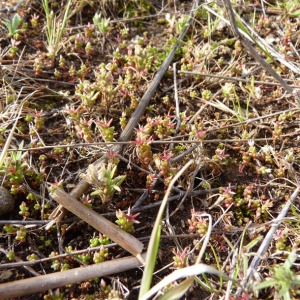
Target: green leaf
96,193
266,284
116,188
155,238
296,13
290,260
16,21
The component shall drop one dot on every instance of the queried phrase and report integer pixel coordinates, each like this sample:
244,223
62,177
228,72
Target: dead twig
122,238
45,282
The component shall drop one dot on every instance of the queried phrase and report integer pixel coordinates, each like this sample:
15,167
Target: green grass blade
155,237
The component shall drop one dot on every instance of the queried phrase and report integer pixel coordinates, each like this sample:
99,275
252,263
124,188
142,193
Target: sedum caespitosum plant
143,148
103,180
106,130
87,92
104,82
102,89
13,168
102,24
126,221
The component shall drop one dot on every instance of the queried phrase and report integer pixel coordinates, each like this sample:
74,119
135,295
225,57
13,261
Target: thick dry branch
115,233
45,282
58,214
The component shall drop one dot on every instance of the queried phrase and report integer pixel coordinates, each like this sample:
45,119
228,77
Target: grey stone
7,202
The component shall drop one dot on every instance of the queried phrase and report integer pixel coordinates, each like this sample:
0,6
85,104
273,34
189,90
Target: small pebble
7,202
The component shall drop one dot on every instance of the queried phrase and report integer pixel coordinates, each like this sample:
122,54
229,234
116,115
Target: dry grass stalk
50,281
